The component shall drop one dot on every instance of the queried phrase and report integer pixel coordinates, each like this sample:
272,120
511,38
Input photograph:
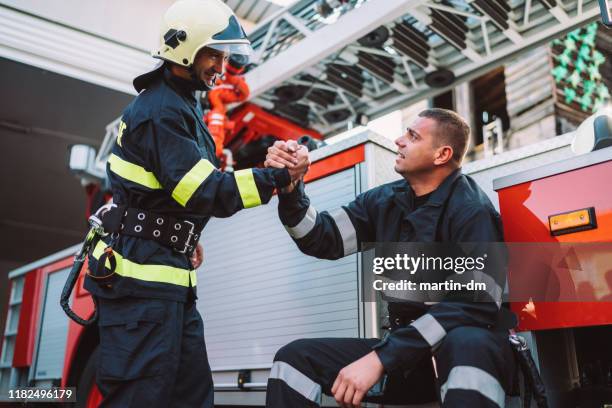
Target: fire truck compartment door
257,291
49,355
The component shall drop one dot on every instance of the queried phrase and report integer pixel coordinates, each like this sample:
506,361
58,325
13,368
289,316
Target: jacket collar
404,195
440,194
182,86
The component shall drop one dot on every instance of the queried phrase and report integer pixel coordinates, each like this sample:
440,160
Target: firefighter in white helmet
165,189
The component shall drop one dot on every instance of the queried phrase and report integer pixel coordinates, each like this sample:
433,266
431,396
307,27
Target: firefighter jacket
163,161
457,211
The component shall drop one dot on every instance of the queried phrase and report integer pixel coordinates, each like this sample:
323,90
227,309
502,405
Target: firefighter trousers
152,354
475,368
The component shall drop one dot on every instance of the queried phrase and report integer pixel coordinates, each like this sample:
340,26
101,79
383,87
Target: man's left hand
356,379
197,257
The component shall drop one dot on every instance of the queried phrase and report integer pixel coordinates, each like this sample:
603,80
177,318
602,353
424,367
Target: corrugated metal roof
321,71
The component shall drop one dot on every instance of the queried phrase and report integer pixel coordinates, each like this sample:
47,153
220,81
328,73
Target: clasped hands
289,155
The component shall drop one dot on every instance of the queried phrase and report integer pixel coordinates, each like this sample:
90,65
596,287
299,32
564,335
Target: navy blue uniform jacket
163,161
457,211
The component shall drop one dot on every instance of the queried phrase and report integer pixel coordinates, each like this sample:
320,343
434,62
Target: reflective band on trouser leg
297,381
247,187
305,226
150,273
133,172
474,379
191,181
347,230
429,328
194,277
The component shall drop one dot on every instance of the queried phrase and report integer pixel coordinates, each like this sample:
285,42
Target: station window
489,102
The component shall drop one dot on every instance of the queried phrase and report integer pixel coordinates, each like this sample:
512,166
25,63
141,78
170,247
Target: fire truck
317,75
251,308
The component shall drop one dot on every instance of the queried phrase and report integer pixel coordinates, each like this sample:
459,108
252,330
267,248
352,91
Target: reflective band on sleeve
297,381
474,379
247,187
429,328
347,230
133,172
305,226
149,273
191,181
492,288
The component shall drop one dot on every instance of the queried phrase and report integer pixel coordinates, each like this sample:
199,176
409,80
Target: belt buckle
188,247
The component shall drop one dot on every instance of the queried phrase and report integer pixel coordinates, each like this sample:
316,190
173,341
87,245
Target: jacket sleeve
183,171
328,235
405,346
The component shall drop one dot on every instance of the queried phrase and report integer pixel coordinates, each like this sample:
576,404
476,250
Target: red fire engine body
526,202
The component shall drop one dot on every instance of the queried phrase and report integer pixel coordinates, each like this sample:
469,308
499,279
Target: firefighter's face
417,148
209,64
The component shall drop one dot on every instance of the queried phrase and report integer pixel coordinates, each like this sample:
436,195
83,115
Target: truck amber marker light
572,221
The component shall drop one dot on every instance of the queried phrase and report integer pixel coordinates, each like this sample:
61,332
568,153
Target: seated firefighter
473,363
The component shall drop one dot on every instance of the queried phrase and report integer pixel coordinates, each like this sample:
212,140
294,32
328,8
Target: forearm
316,234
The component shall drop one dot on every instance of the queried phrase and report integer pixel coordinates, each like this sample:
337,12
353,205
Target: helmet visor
232,49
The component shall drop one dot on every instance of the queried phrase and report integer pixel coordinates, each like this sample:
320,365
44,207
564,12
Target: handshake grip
289,155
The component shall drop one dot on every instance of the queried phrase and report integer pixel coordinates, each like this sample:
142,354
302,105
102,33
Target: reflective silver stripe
305,226
399,295
296,380
474,379
347,230
493,289
429,328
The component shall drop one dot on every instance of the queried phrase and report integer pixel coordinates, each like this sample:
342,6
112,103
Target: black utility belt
169,231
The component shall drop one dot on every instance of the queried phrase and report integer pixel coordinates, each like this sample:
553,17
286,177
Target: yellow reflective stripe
194,278
247,187
122,127
149,273
191,181
133,172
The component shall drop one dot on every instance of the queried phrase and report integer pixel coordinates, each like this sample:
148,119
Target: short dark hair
452,130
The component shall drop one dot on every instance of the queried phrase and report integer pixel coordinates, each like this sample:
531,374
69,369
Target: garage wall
43,205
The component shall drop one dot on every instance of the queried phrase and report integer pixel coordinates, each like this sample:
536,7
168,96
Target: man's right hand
290,155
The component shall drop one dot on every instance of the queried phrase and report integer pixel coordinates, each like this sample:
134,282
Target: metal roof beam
324,42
